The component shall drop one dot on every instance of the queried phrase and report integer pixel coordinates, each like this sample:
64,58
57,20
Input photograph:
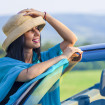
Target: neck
28,54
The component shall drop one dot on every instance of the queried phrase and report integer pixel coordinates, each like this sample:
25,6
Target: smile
36,40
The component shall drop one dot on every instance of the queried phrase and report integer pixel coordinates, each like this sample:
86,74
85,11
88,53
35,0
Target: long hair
15,49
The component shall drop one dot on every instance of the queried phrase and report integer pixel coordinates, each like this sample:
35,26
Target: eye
37,27
30,30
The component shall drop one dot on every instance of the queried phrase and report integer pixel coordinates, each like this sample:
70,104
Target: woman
23,44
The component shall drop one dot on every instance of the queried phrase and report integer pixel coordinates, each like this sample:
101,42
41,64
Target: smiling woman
22,46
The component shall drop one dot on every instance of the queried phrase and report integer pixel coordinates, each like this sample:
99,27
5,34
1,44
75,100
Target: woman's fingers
71,52
76,54
77,50
26,11
31,12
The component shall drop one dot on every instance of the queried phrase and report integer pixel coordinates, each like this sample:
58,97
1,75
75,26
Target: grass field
77,81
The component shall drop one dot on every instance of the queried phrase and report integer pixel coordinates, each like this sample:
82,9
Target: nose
36,32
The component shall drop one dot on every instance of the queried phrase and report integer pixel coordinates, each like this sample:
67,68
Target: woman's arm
68,36
37,69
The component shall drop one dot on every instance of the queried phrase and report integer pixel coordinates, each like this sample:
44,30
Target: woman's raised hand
32,12
73,54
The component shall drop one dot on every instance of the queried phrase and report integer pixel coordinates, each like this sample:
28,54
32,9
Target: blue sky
54,6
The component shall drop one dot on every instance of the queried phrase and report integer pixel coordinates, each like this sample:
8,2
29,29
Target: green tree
46,46
2,52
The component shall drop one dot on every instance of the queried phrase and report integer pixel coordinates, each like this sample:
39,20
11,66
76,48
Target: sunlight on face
32,38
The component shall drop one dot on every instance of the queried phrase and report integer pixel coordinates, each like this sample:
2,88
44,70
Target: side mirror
102,83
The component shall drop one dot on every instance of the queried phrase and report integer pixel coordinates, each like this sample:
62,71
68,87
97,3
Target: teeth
36,40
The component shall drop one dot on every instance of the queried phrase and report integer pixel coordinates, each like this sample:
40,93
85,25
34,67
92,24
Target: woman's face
32,38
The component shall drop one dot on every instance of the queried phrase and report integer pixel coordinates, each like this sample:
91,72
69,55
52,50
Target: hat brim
20,30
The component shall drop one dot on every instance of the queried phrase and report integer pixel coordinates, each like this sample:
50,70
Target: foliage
46,46
83,44
2,53
90,65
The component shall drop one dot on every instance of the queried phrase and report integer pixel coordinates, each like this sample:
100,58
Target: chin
36,46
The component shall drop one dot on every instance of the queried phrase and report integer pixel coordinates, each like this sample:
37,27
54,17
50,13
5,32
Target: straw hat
17,25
